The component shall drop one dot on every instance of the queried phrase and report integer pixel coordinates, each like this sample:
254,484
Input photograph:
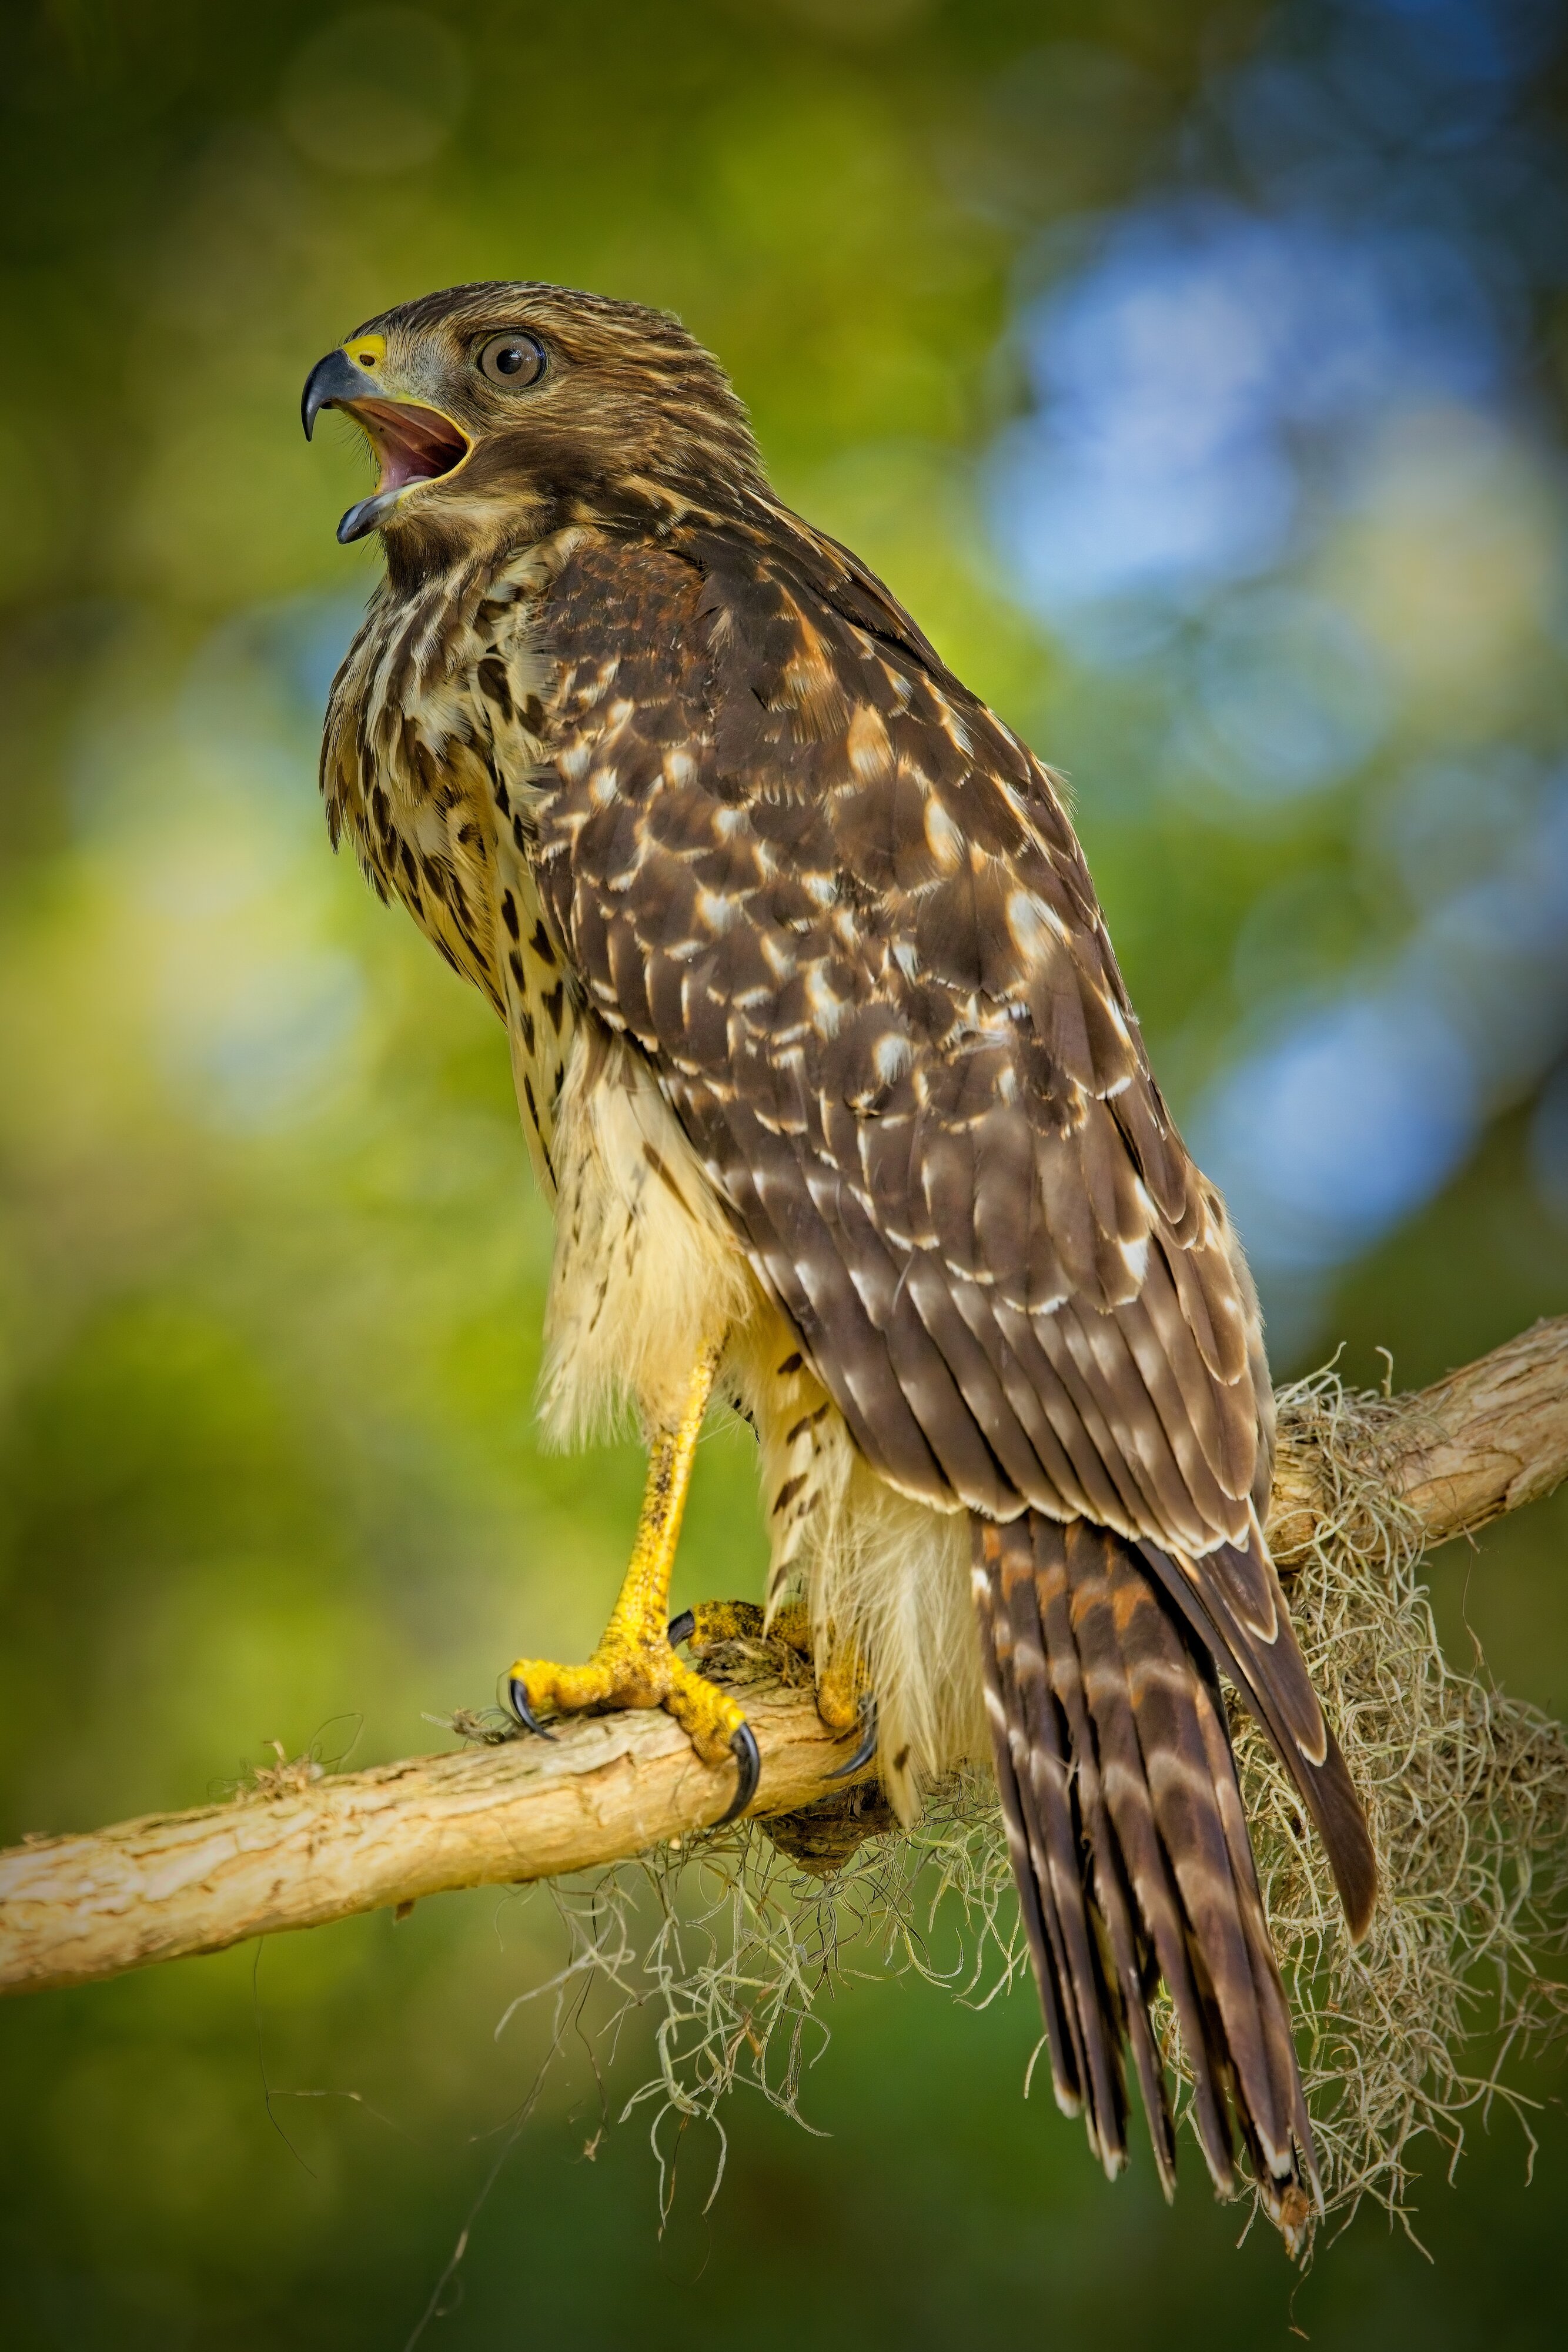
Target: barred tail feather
1129,1844
1231,1599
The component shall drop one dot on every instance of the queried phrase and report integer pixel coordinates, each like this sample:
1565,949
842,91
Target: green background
271,1271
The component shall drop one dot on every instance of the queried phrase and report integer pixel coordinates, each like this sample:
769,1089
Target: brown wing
840,908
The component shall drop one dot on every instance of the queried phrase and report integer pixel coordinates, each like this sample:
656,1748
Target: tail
1130,1849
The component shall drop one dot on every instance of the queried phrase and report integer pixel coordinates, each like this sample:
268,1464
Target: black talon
681,1628
518,1695
743,1747
867,1748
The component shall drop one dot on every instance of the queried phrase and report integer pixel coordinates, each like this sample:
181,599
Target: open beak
412,442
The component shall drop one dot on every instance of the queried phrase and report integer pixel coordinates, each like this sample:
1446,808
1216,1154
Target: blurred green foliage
270,1270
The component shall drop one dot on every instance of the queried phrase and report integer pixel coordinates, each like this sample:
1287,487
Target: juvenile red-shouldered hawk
826,1064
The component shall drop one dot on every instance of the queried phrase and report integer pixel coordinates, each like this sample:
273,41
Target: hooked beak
412,442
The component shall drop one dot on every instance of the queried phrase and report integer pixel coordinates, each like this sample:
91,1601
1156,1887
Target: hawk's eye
512,361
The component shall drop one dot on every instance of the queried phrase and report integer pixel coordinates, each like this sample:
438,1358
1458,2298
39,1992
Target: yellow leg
634,1664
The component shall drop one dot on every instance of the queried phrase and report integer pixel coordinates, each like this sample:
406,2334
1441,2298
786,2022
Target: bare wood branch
1483,1441
76,1908
301,1852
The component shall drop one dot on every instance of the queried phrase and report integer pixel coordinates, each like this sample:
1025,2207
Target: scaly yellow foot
845,1699
636,1664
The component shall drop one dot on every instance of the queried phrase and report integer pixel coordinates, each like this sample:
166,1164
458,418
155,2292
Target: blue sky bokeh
1286,475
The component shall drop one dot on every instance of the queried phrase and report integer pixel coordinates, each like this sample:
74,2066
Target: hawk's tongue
414,445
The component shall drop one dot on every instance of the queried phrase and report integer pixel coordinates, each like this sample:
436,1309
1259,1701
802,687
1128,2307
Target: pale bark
1481,1441
298,1851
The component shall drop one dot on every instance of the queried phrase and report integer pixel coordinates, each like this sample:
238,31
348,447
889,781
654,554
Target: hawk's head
490,404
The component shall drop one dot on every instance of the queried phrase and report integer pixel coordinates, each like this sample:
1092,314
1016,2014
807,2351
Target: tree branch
300,1850
1481,1441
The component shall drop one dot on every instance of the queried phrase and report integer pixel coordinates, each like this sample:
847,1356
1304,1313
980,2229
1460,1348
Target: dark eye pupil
510,358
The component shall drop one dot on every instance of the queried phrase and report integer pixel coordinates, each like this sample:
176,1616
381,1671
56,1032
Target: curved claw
866,1748
681,1628
743,1747
518,1699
